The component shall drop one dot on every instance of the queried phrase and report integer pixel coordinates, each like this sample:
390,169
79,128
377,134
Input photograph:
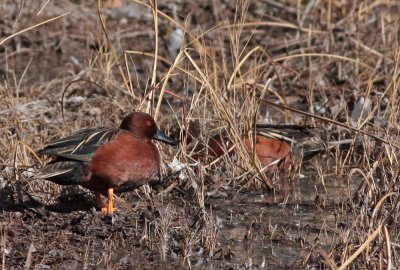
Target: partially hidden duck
272,145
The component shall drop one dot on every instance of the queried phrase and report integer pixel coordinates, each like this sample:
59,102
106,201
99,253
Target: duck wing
72,154
67,172
288,133
81,145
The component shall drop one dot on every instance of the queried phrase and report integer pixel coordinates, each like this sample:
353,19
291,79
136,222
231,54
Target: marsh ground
334,59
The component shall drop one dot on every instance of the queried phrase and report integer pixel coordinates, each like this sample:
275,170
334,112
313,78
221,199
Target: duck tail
63,173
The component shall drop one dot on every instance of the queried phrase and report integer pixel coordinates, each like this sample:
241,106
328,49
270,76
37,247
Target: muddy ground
337,60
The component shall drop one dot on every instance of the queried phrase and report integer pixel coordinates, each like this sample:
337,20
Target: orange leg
109,208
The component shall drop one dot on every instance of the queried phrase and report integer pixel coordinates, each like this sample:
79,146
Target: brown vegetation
204,68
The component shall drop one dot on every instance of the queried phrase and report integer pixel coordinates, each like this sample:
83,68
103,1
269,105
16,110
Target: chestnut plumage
104,160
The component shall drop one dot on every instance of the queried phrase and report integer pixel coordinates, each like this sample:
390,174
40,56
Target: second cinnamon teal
275,145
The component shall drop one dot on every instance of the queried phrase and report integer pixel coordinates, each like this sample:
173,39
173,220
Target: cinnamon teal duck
105,160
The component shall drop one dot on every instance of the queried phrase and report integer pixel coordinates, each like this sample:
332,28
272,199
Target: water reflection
257,232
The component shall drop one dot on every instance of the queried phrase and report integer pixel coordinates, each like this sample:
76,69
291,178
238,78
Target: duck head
142,126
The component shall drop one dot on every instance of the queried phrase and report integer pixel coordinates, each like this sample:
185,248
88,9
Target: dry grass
93,63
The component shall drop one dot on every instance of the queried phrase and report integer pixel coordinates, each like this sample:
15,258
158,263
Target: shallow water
257,232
